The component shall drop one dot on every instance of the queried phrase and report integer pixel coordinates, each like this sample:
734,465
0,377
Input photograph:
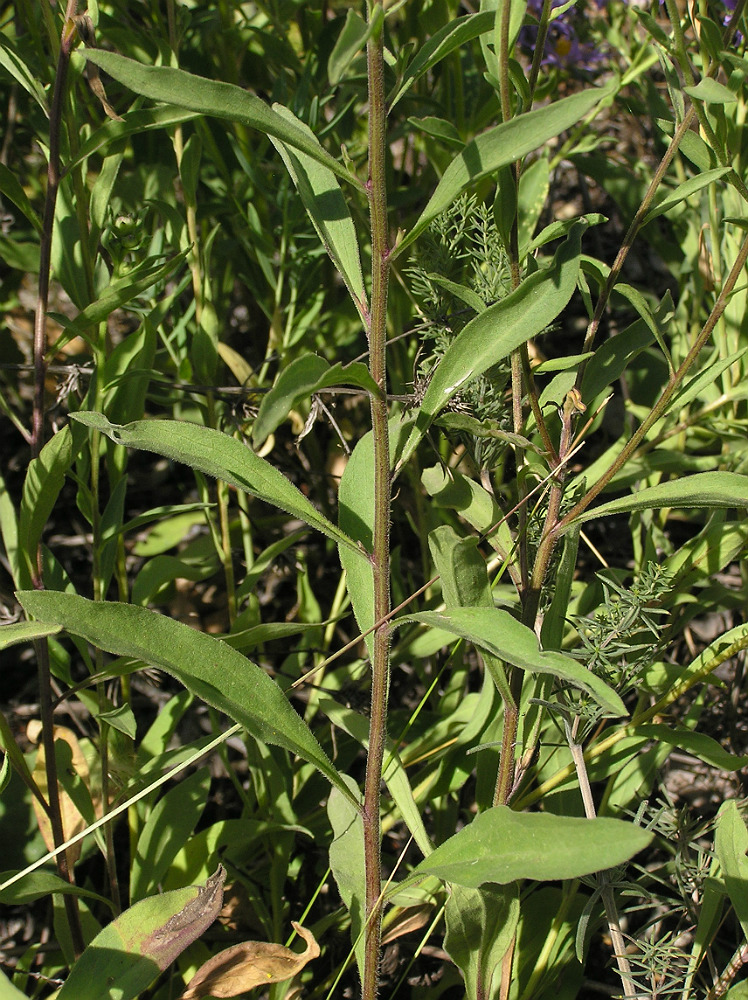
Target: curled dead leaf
85,28
253,963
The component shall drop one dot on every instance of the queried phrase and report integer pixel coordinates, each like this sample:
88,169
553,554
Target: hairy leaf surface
207,667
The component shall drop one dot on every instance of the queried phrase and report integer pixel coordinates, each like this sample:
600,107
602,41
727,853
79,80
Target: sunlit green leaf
496,332
496,631
210,97
304,376
217,455
480,926
207,667
704,489
730,845
320,192
444,41
698,744
504,144
17,632
502,846
45,477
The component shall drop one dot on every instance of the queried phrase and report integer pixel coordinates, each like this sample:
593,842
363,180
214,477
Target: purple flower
563,45
730,6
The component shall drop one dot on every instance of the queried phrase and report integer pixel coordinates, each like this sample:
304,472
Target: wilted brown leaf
253,963
407,920
168,940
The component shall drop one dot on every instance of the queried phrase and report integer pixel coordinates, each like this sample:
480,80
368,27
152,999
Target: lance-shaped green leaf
11,635
698,744
170,824
731,844
501,635
502,145
502,846
12,188
356,514
45,477
299,380
350,42
465,583
8,991
320,192
393,772
711,92
21,71
703,489
480,927
347,862
125,958
136,123
496,332
612,357
446,40
211,97
117,294
37,884
220,456
207,667
704,380
685,190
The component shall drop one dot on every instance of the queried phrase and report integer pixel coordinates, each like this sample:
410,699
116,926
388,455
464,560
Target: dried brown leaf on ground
252,963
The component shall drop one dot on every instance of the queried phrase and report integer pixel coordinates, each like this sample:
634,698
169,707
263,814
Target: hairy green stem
537,56
377,193
736,963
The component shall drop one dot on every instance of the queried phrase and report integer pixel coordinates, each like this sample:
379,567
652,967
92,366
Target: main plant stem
377,193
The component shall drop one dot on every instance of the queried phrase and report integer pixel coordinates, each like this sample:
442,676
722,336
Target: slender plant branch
638,220
505,775
377,193
736,963
606,891
660,407
537,56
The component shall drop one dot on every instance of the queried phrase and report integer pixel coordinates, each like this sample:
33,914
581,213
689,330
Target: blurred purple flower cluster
571,45
565,46
730,6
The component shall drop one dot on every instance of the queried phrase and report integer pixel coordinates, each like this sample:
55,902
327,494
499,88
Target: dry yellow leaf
72,821
253,963
407,920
